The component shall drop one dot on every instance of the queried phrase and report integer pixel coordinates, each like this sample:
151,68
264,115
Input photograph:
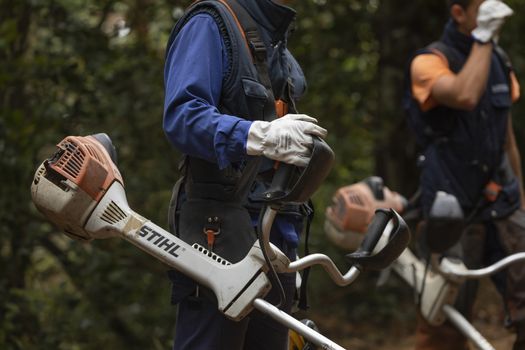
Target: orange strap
281,108
491,191
210,238
241,30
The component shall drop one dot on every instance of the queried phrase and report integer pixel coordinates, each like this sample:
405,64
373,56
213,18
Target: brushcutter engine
353,208
69,185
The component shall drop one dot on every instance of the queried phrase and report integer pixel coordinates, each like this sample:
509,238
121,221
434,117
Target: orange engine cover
354,206
85,162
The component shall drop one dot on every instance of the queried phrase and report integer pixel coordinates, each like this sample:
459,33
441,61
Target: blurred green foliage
72,67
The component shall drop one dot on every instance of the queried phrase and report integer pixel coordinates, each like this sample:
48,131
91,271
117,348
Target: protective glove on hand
287,139
491,16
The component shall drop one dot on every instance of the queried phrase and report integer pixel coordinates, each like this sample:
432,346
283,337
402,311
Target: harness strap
452,55
303,292
250,32
172,210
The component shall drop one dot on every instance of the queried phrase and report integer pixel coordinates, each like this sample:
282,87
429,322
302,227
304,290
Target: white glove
287,139
491,16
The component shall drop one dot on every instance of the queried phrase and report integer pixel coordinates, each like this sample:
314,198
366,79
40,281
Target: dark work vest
243,93
462,149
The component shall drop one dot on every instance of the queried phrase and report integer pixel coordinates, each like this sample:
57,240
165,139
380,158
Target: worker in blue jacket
228,75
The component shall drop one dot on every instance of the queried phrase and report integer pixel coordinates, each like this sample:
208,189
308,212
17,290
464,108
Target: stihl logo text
159,240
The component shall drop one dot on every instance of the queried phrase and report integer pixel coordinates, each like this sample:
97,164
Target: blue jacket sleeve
193,75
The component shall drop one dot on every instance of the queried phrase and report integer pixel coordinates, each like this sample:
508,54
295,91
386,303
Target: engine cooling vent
39,173
92,152
212,255
113,214
355,198
71,160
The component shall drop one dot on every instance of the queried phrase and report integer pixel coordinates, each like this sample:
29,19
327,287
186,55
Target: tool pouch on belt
502,194
212,216
230,223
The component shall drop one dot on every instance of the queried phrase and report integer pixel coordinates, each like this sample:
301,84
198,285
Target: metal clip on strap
212,229
256,45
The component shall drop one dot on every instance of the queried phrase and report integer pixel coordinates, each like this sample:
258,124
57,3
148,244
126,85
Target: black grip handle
398,240
375,230
281,180
294,184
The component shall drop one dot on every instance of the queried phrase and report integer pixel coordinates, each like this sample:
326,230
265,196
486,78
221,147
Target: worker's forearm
515,162
464,90
471,81
515,159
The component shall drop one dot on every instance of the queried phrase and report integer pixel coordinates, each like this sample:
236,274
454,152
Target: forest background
77,67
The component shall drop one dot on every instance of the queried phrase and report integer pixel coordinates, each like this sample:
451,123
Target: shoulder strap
505,59
249,29
507,64
424,132
452,55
